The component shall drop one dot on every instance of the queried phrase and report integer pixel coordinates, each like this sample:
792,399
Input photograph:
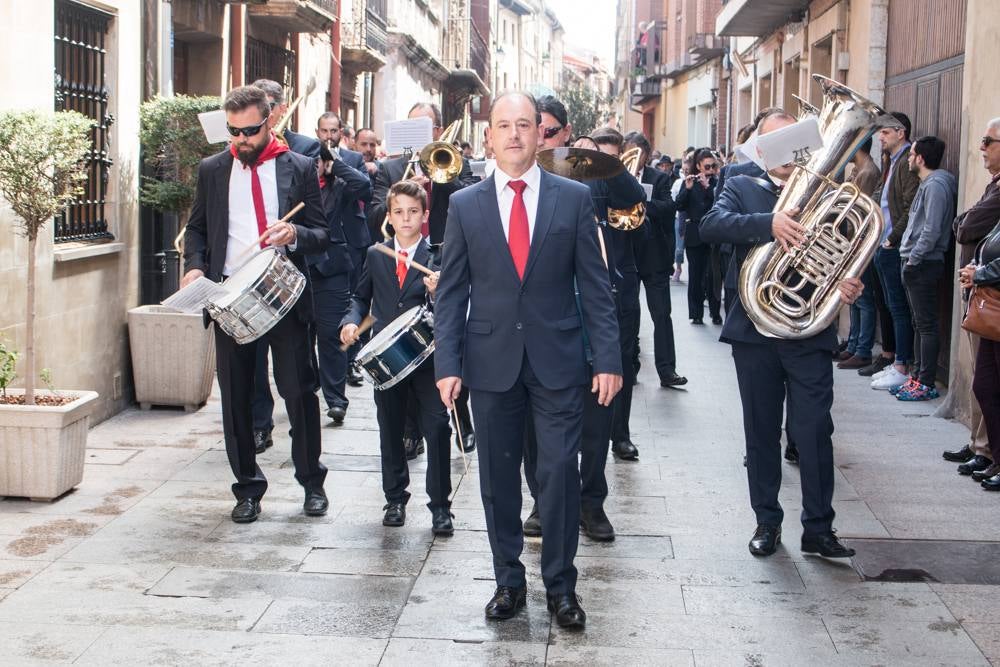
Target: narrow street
142,565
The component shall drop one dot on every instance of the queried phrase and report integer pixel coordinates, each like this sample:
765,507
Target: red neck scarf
273,149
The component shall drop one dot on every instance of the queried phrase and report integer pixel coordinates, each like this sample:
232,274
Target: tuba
794,295
627,219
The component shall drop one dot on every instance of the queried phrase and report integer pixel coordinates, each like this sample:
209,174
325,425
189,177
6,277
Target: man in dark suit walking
507,324
241,193
744,216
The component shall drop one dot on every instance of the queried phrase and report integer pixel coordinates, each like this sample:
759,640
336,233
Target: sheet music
790,144
213,123
192,299
412,134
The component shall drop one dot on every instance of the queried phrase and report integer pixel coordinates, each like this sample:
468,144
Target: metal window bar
80,36
267,61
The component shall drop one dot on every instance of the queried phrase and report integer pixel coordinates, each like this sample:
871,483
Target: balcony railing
704,45
366,41
646,89
467,48
296,15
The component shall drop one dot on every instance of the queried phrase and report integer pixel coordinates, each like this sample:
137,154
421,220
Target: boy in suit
388,289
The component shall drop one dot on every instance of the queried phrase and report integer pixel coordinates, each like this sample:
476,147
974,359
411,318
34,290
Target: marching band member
388,289
236,202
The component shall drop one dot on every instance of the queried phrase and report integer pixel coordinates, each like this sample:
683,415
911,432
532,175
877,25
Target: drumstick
604,250
386,250
458,431
365,325
260,239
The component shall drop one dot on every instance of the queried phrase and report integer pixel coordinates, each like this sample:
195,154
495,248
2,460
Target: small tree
41,172
174,143
585,109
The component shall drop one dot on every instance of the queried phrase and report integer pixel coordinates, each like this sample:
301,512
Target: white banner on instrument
192,299
213,123
411,134
792,144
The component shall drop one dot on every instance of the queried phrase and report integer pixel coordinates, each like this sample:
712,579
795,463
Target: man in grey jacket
922,252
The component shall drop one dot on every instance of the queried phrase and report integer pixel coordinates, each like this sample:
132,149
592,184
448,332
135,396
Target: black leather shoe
246,510
980,475
958,456
991,483
791,453
337,414
469,442
354,377
395,514
316,503
441,522
625,450
262,440
673,380
697,320
569,613
765,540
825,544
413,448
596,525
505,603
878,364
977,462
716,319
533,524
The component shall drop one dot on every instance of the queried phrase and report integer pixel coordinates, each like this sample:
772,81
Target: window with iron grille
81,36
267,61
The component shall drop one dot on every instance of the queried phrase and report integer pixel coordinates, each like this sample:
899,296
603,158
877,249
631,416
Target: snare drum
399,348
260,293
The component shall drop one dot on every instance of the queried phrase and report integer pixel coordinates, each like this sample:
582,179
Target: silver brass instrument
440,161
806,109
794,295
627,219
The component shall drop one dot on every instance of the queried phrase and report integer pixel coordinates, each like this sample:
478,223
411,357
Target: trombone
439,160
627,219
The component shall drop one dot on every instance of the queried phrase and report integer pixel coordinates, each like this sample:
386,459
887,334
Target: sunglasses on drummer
549,132
249,131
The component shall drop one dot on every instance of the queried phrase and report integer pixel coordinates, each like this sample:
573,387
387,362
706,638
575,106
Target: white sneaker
890,380
881,372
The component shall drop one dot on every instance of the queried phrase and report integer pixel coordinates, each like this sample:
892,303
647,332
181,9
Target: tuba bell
627,219
794,295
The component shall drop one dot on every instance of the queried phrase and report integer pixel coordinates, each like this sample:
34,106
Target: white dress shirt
505,197
243,232
409,251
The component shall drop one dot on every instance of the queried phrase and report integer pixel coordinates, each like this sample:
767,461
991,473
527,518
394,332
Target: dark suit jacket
206,237
301,144
742,215
390,172
378,289
487,319
340,203
695,201
660,208
738,169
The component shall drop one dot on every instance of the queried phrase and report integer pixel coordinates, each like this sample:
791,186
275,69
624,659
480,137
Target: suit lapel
548,193
490,215
223,171
285,174
412,274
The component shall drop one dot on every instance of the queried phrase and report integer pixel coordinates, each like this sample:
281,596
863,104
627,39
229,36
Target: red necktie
518,237
258,203
401,267
425,228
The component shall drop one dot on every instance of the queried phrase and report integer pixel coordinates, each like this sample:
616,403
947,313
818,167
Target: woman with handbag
982,276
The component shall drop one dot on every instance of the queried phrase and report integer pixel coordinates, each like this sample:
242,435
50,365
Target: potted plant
43,434
173,356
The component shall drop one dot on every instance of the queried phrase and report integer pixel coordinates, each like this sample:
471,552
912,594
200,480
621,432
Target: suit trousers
413,431
331,300
653,259
501,419
699,263
262,402
358,256
763,371
391,407
593,454
295,377
629,314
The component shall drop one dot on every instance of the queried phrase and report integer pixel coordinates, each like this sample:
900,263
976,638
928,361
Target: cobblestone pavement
141,564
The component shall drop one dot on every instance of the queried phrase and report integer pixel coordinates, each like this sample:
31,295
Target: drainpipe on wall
335,64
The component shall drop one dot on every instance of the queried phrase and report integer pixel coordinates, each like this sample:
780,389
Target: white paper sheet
410,134
791,144
213,123
192,299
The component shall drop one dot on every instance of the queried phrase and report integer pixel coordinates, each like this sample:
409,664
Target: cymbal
579,164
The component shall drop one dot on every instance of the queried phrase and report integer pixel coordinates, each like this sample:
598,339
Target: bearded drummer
388,288
242,193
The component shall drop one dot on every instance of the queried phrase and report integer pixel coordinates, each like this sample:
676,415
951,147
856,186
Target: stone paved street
141,564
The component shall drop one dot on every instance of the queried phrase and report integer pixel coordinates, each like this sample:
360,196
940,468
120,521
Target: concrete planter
42,449
173,357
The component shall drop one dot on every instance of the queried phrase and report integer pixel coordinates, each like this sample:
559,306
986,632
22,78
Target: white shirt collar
532,177
410,252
